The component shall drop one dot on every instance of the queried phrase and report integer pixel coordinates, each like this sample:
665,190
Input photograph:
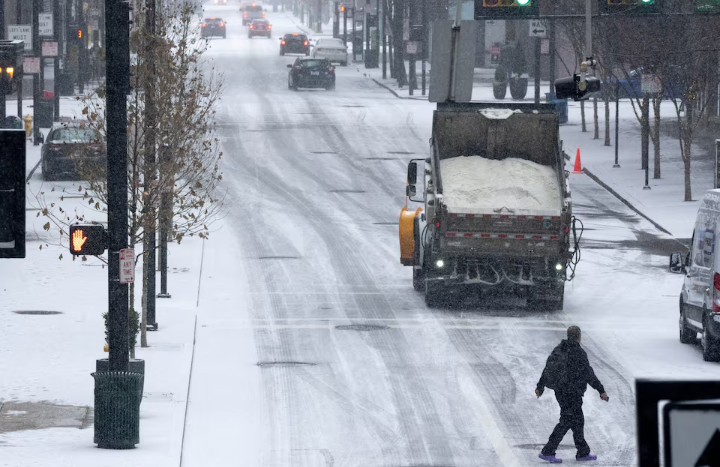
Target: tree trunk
147,269
596,121
687,151
582,114
399,17
656,138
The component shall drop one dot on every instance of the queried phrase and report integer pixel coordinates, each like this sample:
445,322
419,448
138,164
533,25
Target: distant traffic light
630,7
87,239
79,34
510,9
342,8
12,193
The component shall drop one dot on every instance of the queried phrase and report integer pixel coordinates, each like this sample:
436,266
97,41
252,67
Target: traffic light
630,7
87,239
507,9
571,88
11,65
79,34
342,8
12,193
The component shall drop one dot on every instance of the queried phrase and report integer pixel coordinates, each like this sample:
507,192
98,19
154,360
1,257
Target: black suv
260,27
213,27
295,43
311,73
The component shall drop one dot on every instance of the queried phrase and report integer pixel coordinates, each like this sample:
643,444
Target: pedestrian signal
87,239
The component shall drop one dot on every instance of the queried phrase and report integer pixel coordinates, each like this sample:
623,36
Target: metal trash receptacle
117,409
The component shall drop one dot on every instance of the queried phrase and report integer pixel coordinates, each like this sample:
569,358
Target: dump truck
496,211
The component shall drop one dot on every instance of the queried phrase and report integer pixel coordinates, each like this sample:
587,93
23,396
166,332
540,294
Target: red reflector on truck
537,237
485,235
519,236
502,236
449,234
468,235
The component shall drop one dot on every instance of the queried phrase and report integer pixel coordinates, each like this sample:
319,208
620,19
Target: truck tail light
305,43
263,14
331,70
245,14
716,293
282,42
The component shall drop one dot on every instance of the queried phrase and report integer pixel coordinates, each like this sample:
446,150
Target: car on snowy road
214,27
73,151
331,49
294,43
251,12
311,73
260,27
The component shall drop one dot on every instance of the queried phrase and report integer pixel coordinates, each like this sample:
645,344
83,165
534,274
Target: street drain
283,364
361,327
347,191
279,257
37,312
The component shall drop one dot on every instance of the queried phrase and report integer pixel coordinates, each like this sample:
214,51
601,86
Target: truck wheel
418,280
709,344
687,335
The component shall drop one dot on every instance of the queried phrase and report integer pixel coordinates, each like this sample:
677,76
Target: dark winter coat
579,371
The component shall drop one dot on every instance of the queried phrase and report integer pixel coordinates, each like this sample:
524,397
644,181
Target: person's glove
604,397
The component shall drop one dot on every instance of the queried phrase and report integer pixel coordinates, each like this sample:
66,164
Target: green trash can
117,409
44,113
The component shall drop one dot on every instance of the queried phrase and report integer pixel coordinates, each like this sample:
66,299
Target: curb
392,91
27,180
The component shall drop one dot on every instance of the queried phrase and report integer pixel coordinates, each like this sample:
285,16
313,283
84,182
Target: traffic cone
578,165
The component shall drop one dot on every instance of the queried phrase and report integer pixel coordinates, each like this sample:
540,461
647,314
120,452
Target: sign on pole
31,65
49,49
127,266
537,28
21,32
693,432
413,48
46,24
650,83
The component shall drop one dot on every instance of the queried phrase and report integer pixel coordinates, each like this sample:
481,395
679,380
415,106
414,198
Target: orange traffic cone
578,165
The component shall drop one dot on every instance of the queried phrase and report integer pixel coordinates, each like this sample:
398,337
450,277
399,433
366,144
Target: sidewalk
663,204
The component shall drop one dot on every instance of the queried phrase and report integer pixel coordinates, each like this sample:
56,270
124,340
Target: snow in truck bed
474,184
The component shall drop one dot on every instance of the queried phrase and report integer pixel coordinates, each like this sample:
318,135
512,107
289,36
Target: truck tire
687,335
418,274
709,344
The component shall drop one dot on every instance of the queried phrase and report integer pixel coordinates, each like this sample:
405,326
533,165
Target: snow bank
472,183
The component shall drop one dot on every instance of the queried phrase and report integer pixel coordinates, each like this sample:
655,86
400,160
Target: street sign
31,65
650,83
692,434
127,266
413,48
537,28
21,32
49,49
46,24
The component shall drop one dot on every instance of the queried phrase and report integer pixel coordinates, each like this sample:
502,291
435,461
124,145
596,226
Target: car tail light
282,42
204,25
305,43
331,70
269,26
252,27
222,25
716,293
245,14
296,68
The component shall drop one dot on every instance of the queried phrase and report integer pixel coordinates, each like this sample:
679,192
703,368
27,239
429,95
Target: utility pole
18,18
344,9
645,138
537,70
56,61
82,47
150,175
37,48
336,21
425,42
117,39
319,16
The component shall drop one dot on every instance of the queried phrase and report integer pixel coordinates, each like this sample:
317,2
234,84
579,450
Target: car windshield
213,20
330,43
312,63
74,134
259,21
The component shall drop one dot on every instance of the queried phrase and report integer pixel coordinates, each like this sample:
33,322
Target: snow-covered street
294,337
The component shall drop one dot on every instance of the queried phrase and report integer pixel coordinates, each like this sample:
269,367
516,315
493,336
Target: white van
700,295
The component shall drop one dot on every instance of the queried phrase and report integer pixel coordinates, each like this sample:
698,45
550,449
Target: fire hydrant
28,125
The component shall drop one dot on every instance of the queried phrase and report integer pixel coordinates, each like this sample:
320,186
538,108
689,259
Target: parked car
700,294
631,86
331,49
73,151
260,27
214,27
294,43
251,12
311,73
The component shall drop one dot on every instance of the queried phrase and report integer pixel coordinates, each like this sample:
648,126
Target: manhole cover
361,327
37,312
283,364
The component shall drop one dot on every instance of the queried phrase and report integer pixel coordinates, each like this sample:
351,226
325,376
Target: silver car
331,49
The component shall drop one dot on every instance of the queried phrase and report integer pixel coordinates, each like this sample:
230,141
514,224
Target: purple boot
589,457
552,458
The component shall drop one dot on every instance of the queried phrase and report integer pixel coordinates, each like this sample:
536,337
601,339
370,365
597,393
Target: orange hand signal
78,240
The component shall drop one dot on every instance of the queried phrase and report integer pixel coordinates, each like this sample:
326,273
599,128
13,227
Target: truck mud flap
407,235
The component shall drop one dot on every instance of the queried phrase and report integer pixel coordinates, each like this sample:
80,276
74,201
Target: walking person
568,372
